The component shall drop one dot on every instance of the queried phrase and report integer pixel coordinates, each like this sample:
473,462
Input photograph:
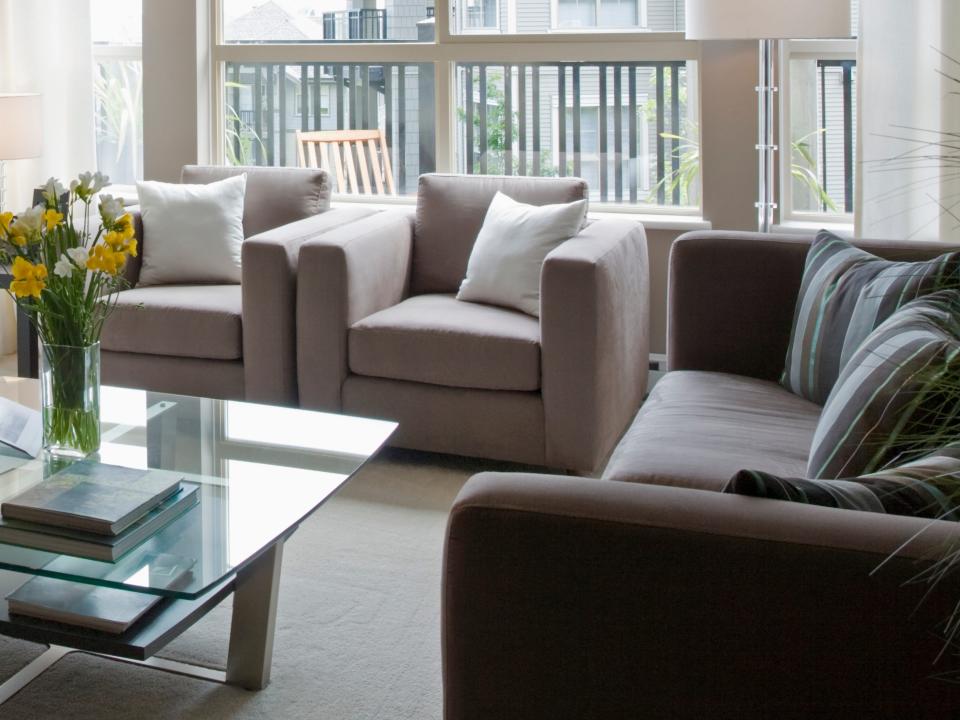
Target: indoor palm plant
65,278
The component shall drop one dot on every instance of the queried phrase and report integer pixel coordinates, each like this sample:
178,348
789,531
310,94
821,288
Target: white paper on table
21,428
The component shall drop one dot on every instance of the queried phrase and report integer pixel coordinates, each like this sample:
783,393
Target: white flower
63,267
52,190
79,255
74,185
100,181
31,220
110,208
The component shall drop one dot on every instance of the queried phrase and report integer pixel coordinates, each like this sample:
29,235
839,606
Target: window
480,15
118,88
601,14
484,89
819,118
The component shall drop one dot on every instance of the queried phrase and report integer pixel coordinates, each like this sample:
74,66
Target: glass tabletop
260,470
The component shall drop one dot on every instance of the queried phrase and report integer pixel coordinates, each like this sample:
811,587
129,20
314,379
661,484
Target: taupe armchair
380,333
226,341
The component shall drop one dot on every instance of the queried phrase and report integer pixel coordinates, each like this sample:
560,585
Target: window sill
811,227
651,221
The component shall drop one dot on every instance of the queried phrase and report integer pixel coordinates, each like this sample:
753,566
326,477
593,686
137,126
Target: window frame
444,52
845,49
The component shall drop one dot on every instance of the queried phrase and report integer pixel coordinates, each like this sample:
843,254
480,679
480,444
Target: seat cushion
450,213
202,321
440,340
697,429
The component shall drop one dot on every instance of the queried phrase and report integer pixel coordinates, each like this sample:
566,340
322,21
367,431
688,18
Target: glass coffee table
261,469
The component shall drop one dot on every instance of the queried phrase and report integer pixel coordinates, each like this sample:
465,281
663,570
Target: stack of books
95,511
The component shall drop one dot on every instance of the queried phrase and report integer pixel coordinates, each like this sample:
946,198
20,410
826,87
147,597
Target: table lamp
20,135
766,21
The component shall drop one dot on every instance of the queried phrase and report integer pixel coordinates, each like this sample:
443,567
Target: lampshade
767,19
20,135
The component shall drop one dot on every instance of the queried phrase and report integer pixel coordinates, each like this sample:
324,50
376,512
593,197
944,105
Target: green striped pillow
899,392
844,295
924,488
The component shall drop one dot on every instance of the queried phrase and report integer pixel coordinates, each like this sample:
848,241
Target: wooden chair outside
354,153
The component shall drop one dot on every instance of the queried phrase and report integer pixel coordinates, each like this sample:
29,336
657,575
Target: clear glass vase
70,393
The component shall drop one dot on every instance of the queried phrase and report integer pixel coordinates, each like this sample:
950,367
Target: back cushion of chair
450,212
275,196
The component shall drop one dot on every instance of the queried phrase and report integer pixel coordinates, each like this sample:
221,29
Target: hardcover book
93,497
106,609
107,548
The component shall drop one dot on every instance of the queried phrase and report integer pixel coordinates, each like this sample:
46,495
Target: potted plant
65,277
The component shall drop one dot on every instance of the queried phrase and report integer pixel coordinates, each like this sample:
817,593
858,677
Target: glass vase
70,395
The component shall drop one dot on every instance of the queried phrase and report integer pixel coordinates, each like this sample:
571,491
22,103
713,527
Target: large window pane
822,123
267,103
118,88
536,16
627,128
317,21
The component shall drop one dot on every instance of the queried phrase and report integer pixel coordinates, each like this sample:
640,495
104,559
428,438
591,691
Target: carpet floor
358,626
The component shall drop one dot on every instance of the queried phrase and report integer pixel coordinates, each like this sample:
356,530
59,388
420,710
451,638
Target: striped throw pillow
899,389
844,295
925,488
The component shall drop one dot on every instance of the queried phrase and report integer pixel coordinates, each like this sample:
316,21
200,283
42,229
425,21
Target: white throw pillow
504,267
193,233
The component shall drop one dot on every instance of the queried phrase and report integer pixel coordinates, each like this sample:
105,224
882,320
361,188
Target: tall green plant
238,137
686,148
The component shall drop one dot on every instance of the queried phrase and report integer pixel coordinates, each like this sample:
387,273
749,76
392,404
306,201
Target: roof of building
270,22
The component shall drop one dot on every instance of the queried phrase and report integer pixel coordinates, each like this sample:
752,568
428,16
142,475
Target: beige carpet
358,632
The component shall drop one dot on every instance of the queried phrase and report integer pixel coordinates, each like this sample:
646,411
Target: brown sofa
648,593
380,333
227,341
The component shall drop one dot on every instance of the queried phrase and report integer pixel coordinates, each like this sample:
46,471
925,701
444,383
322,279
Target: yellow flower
125,226
121,242
132,247
28,279
105,260
5,220
114,240
18,235
52,218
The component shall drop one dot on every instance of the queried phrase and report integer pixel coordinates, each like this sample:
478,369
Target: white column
176,91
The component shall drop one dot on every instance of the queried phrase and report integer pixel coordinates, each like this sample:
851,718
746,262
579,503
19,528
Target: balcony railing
364,24
836,91
621,126
396,97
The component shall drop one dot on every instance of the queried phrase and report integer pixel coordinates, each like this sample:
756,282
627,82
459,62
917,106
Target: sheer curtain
45,47
909,108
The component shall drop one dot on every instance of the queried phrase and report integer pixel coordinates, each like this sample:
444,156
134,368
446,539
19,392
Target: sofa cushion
202,321
699,428
507,259
275,195
440,340
922,488
450,212
845,294
898,393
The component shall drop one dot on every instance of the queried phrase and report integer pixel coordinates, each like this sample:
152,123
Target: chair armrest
346,275
576,597
732,296
594,319
269,304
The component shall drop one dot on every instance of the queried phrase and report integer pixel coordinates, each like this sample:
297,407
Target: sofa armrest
594,319
732,296
269,303
346,275
576,597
